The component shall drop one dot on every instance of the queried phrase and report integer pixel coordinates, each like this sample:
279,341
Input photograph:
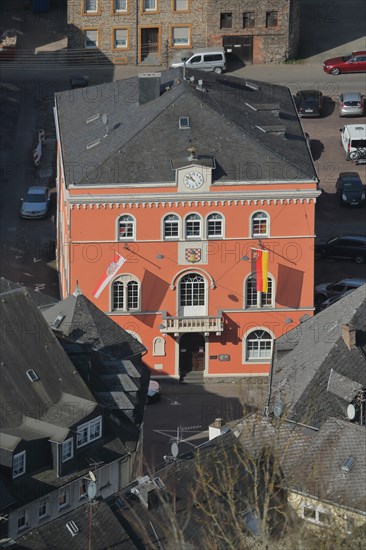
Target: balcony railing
192,324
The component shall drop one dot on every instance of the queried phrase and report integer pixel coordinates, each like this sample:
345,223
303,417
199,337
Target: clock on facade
193,180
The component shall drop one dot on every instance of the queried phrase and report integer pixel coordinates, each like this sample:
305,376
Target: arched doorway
191,353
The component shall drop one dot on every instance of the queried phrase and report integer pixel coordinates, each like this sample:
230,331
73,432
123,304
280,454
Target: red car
354,62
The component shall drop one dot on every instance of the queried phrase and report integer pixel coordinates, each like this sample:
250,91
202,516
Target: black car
309,103
350,189
350,247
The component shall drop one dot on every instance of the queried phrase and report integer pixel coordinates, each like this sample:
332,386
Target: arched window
171,226
259,224
126,228
158,346
258,299
193,226
258,345
126,294
215,225
192,290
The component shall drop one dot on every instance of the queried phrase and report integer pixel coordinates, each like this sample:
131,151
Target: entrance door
241,46
191,353
150,44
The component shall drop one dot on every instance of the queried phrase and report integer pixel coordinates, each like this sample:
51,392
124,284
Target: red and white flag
110,272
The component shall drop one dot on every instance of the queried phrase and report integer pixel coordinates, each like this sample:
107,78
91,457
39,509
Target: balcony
179,325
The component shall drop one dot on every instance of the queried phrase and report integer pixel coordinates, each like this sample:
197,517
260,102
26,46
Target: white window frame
318,510
22,456
22,514
91,11
132,221
260,296
124,47
252,219
65,456
186,219
66,492
179,226
144,8
186,41
222,234
125,280
116,10
87,426
94,46
43,504
246,339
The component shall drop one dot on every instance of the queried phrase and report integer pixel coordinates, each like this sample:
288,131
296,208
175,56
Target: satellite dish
92,490
351,412
105,119
277,409
92,476
174,449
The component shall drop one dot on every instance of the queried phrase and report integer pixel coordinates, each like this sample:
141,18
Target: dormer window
89,431
19,464
32,375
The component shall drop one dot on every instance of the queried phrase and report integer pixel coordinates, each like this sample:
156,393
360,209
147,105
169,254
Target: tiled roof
40,299
236,123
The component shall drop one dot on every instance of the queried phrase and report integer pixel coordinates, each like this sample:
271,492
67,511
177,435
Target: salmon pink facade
167,253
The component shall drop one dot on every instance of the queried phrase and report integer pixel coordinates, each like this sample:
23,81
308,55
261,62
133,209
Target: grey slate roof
236,123
308,377
106,532
29,343
40,299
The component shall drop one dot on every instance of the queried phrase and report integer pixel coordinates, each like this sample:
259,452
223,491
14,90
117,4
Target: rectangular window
121,38
120,6
89,432
226,20
83,487
214,226
67,450
309,512
42,509
180,5
22,520
149,5
91,38
90,6
181,36
271,19
63,497
248,19
19,464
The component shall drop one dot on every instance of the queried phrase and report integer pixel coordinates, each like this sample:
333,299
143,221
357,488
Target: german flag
260,269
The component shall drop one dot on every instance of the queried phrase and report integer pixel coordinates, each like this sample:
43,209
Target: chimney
149,87
349,336
217,428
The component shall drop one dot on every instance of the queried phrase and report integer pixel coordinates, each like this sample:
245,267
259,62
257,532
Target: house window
192,290
258,345
90,6
42,508
260,224
19,464
226,20
63,497
120,38
83,488
316,515
67,450
349,524
126,294
91,38
248,19
258,299
149,5
181,36
193,226
126,228
215,226
271,19
119,5
22,520
171,226
180,5
88,432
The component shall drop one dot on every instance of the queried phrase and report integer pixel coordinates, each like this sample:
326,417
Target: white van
353,139
204,59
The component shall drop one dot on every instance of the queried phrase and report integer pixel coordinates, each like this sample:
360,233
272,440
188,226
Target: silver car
36,202
351,104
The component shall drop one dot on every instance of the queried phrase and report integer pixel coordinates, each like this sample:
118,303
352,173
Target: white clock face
193,180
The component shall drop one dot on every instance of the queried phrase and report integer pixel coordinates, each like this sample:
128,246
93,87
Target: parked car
349,247
328,291
354,62
333,299
350,104
153,392
353,139
309,103
36,202
349,189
